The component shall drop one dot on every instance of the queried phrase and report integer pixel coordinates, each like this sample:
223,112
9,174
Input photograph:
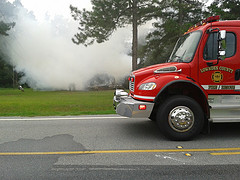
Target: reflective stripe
144,97
221,87
205,86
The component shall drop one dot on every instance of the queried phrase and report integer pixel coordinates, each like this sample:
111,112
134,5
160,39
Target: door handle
237,74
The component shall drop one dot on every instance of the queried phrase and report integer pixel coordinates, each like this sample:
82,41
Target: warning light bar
211,19
205,21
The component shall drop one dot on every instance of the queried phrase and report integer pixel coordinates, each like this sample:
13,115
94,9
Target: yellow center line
122,151
225,153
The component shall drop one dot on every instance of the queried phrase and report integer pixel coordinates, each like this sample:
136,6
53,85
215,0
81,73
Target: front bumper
128,107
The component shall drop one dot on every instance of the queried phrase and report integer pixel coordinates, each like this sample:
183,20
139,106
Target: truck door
221,80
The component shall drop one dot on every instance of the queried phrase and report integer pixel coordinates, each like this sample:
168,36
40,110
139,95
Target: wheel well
182,88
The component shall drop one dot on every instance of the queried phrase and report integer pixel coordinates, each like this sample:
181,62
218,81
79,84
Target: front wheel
180,118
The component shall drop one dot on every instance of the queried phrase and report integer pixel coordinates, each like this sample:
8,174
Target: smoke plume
44,52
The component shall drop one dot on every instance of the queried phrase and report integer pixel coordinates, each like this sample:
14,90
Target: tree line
171,18
8,76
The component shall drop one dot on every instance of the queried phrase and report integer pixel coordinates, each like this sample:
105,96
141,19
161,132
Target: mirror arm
211,30
211,63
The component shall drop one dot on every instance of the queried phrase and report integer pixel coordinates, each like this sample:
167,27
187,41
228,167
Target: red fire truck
199,84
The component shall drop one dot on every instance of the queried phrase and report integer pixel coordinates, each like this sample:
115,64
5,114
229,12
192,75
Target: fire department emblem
217,77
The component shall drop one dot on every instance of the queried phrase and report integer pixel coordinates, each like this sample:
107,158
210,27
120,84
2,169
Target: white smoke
49,59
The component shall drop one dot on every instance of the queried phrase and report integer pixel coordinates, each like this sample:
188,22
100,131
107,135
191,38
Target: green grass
54,103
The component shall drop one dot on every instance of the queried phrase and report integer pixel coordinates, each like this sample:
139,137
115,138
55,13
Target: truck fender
184,87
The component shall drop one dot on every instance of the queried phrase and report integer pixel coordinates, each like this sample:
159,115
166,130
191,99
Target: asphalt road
112,147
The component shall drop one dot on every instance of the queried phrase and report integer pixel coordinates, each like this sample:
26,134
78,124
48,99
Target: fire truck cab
200,83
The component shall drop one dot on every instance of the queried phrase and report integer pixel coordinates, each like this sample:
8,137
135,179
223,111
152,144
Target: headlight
148,86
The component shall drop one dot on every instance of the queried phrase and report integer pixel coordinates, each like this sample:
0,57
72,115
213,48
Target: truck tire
180,118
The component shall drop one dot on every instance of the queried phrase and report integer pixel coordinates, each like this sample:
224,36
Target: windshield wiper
177,59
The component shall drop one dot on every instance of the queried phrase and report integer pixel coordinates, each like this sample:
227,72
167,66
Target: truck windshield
185,47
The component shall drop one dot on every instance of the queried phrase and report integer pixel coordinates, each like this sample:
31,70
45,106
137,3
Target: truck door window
211,49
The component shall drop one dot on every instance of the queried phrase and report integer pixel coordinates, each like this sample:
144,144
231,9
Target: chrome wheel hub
181,119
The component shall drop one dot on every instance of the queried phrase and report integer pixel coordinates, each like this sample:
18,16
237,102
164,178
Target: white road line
60,118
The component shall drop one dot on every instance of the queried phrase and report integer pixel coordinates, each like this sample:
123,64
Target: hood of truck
148,71
153,73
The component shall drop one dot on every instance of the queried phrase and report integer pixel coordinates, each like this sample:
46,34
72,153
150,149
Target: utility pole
135,36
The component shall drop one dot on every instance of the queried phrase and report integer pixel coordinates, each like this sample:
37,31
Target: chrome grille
131,83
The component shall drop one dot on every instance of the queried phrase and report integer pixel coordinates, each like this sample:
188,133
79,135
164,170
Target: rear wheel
180,118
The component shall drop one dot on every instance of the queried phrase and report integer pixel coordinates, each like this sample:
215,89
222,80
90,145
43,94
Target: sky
53,7
58,7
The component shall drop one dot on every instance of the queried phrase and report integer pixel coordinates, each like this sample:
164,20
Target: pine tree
227,9
108,15
176,16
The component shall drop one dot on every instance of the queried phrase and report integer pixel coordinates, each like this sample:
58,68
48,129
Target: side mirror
222,35
222,45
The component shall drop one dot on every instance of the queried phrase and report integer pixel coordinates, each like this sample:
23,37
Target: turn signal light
142,107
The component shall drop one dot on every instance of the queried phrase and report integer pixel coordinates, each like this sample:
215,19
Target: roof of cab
213,21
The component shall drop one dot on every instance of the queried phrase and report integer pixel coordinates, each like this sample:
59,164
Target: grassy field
54,103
